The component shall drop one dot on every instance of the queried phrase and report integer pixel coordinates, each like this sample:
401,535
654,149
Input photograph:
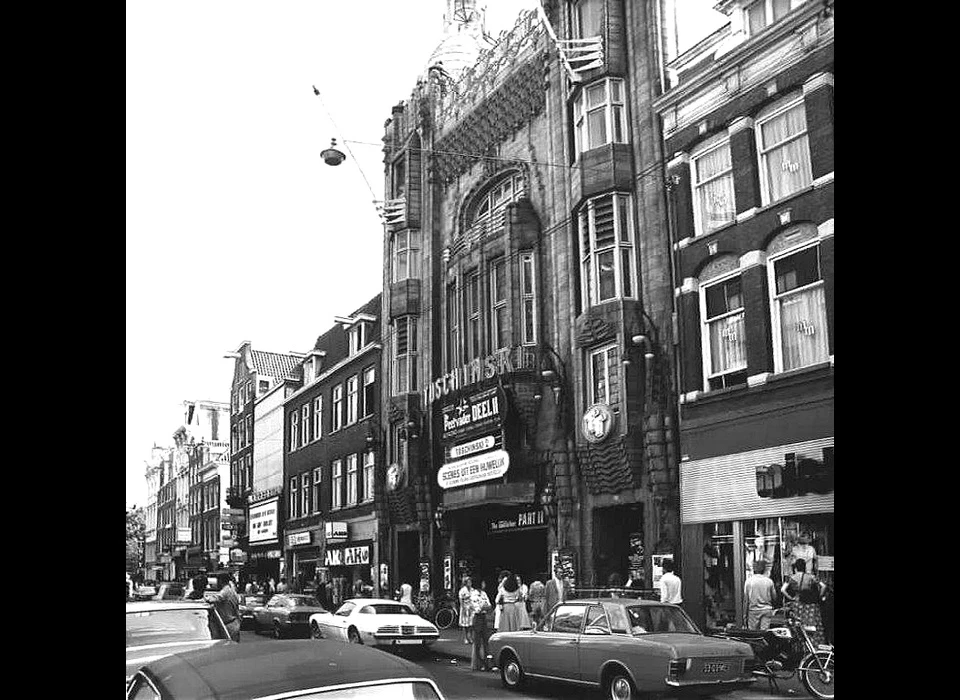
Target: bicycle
447,612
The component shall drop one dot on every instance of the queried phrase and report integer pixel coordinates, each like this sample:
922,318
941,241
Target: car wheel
511,672
315,631
353,636
277,631
620,687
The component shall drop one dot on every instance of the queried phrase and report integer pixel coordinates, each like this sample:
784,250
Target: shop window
779,542
719,590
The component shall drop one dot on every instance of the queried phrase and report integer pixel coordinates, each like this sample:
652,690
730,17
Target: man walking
759,594
554,592
670,585
228,605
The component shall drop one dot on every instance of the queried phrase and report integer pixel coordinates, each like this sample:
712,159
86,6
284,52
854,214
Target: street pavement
449,664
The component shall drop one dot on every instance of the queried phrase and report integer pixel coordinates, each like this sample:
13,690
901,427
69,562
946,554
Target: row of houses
605,332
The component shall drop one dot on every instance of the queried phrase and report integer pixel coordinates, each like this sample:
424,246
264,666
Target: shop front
349,571
774,505
264,555
304,553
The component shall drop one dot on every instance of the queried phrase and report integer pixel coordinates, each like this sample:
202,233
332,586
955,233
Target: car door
597,644
339,622
267,614
553,651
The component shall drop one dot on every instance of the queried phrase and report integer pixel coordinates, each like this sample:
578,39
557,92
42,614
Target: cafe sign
482,467
348,556
527,519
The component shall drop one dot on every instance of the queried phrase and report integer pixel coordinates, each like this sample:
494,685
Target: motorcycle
785,650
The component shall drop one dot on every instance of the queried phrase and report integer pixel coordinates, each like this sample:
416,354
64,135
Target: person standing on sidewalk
479,606
466,611
670,585
759,593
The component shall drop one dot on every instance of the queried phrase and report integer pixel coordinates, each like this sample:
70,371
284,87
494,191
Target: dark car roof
235,671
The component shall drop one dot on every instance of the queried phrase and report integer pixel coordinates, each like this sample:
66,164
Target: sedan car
625,647
291,669
248,603
156,629
286,613
374,621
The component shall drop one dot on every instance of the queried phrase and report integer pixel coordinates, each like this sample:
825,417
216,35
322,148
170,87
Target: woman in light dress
508,600
525,622
466,610
497,607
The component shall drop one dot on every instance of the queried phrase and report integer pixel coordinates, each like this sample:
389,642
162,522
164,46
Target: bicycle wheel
445,618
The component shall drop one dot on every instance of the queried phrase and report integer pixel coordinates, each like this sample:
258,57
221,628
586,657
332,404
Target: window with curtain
713,188
336,484
528,299
405,355
406,255
599,115
337,407
317,417
725,346
368,466
799,309
500,328
784,151
606,243
353,398
604,371
352,477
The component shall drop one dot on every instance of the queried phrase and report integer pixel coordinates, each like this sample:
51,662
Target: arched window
486,207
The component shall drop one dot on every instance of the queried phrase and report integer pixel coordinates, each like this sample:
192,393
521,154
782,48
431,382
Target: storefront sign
263,521
347,556
503,361
526,519
335,530
298,538
472,413
598,422
468,448
489,465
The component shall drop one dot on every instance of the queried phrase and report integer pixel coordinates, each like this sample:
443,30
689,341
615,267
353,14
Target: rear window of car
385,609
303,601
166,626
657,619
394,690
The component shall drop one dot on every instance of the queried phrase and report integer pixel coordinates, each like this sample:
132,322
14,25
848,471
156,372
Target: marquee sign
505,361
263,521
473,413
526,519
489,465
347,556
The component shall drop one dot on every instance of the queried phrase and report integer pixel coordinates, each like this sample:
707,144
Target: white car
373,621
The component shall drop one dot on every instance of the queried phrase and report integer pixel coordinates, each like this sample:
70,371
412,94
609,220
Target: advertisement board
298,538
347,556
489,465
335,530
523,519
473,414
263,521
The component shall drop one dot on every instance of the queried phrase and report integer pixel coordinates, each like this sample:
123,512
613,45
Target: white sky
236,230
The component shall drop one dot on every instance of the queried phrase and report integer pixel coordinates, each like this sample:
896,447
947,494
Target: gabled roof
273,364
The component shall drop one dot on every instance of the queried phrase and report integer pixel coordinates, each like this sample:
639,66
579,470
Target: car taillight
677,668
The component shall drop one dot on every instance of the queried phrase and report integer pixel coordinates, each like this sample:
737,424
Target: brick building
748,133
331,459
528,399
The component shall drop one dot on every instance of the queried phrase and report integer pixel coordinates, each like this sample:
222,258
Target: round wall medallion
597,423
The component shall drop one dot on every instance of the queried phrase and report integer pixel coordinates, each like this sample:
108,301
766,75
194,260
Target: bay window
405,355
712,180
604,371
724,340
406,255
599,115
336,484
528,299
352,476
784,150
500,327
606,243
799,309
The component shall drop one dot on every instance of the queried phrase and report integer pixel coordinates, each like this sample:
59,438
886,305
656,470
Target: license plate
409,641
716,668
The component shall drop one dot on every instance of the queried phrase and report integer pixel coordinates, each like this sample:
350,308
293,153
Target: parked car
286,613
170,591
291,669
156,629
145,592
374,621
625,647
248,603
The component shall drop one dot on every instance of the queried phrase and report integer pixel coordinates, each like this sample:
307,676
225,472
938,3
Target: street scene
559,276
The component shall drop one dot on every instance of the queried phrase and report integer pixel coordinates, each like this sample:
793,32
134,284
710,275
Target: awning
516,493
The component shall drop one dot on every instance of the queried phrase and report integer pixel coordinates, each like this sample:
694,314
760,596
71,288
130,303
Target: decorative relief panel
609,467
592,330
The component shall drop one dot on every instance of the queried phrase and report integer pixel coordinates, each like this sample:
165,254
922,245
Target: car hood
687,645
141,655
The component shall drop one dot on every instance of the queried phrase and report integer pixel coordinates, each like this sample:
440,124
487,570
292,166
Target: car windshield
253,600
303,601
166,626
386,609
656,619
393,690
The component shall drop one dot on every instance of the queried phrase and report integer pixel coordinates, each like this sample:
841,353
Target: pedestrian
198,585
499,608
479,607
535,598
271,586
508,599
227,604
804,550
522,603
406,594
466,611
554,592
282,586
759,594
670,585
248,589
805,591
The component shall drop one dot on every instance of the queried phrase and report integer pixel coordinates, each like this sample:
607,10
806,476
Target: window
799,309
474,329
406,255
567,618
304,424
353,396
606,240
724,339
317,480
500,327
784,151
587,18
317,417
605,377
369,390
294,429
713,188
337,407
399,452
336,484
293,499
453,326
405,355
357,337
249,424
352,477
368,466
528,299
493,200
597,619
248,393
305,494
399,178
264,386
248,478
234,439
598,115
765,12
